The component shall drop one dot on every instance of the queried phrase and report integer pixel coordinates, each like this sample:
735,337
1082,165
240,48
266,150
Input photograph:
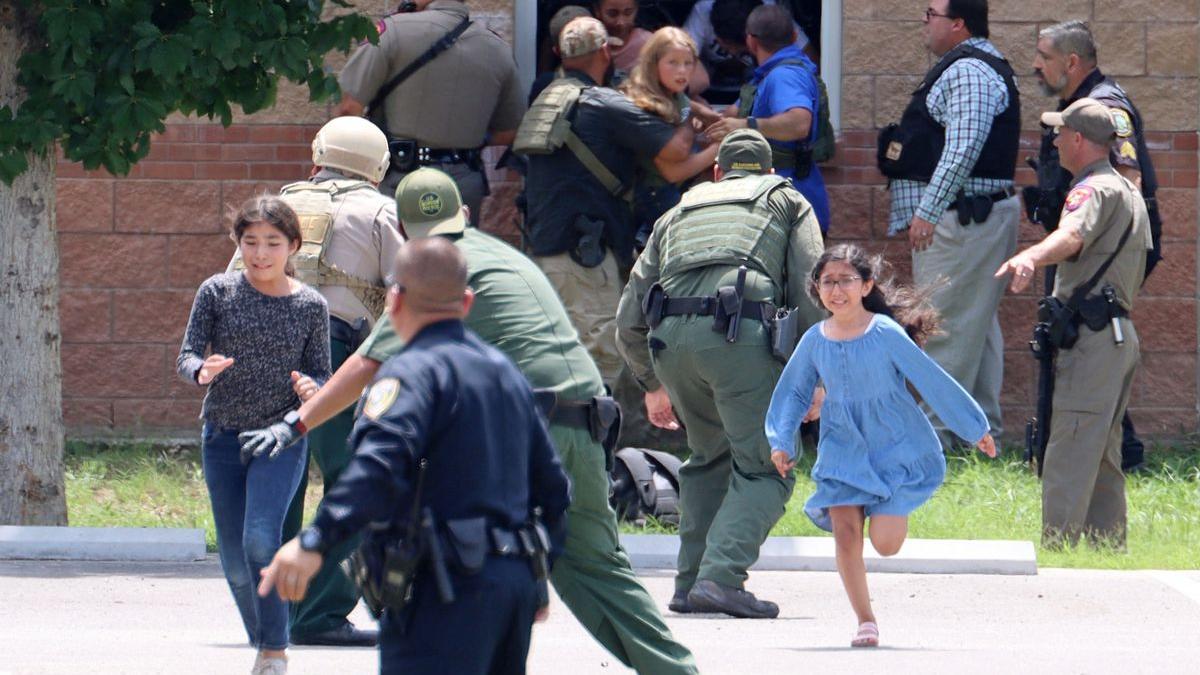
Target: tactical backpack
645,483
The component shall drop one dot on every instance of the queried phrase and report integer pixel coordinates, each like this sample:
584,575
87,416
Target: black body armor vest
912,148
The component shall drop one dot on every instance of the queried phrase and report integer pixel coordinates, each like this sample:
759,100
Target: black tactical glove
272,440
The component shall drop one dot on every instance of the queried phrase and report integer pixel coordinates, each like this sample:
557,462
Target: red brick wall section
1164,397
134,250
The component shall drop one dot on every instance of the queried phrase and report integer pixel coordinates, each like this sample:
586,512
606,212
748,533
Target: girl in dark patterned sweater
265,332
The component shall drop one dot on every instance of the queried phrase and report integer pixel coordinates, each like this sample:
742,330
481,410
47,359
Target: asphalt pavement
90,617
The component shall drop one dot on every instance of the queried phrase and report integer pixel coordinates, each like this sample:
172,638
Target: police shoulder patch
1077,197
381,26
380,397
1128,151
1121,122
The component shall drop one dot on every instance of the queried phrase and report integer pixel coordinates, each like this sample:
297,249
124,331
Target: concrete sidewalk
70,617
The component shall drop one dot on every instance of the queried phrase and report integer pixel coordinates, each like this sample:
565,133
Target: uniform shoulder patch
1077,197
1122,122
1128,151
381,26
380,397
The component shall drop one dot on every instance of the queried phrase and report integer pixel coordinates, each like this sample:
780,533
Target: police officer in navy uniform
1066,66
449,428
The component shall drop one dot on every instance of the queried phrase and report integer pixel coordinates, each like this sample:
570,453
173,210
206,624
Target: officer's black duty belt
407,155
998,196
706,305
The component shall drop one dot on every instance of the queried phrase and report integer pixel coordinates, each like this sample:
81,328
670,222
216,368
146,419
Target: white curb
816,554
101,543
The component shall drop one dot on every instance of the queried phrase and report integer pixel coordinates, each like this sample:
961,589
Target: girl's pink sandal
867,636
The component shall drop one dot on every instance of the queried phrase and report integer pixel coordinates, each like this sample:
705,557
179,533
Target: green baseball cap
746,151
429,203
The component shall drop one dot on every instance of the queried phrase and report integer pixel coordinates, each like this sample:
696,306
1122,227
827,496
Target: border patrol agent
1065,64
517,311
450,445
350,238
950,163
459,93
693,326
1100,248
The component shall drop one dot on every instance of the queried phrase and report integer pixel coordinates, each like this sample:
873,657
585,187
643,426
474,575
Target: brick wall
1150,47
135,248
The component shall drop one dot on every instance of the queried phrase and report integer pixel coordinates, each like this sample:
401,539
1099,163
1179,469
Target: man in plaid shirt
950,162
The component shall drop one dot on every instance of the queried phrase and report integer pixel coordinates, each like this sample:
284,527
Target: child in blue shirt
878,456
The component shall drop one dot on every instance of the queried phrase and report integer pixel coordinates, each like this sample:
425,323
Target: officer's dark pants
470,184
331,594
484,631
1133,451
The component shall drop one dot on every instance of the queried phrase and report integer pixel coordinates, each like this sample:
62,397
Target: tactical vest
313,204
546,127
728,223
820,150
1052,177
911,149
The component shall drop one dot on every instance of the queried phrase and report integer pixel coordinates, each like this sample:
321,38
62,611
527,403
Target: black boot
709,596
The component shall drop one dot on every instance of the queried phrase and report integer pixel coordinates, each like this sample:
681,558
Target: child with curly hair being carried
878,456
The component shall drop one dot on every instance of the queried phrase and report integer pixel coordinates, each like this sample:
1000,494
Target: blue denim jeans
248,504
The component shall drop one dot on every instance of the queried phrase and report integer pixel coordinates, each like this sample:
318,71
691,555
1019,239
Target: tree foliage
104,74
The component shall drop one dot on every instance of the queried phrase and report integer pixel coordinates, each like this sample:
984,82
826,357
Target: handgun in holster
785,333
975,208
535,543
604,424
728,316
589,248
436,556
404,154
654,304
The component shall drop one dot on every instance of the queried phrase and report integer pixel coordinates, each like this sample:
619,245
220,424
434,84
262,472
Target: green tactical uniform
730,493
355,254
1083,489
517,311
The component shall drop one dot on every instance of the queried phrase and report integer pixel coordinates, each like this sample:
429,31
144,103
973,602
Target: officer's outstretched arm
340,392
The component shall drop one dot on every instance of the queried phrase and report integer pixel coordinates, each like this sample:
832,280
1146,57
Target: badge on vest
380,397
893,150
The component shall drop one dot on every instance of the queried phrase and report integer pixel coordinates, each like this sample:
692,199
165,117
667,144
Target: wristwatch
312,540
292,419
752,123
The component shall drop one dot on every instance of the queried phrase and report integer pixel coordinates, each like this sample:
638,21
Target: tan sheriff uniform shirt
1099,206
450,102
366,239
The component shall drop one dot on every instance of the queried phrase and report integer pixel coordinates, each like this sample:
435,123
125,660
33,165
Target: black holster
404,154
385,572
653,305
972,209
589,248
784,329
1058,326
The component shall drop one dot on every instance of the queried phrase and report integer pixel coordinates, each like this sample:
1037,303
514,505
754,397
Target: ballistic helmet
354,145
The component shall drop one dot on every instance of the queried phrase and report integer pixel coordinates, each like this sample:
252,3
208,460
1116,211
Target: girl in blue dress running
878,456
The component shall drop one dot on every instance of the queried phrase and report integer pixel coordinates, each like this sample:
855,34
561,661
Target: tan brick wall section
134,249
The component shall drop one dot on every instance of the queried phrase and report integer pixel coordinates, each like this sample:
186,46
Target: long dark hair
908,306
273,211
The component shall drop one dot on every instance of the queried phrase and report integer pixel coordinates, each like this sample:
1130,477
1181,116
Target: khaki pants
1083,489
959,264
590,295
